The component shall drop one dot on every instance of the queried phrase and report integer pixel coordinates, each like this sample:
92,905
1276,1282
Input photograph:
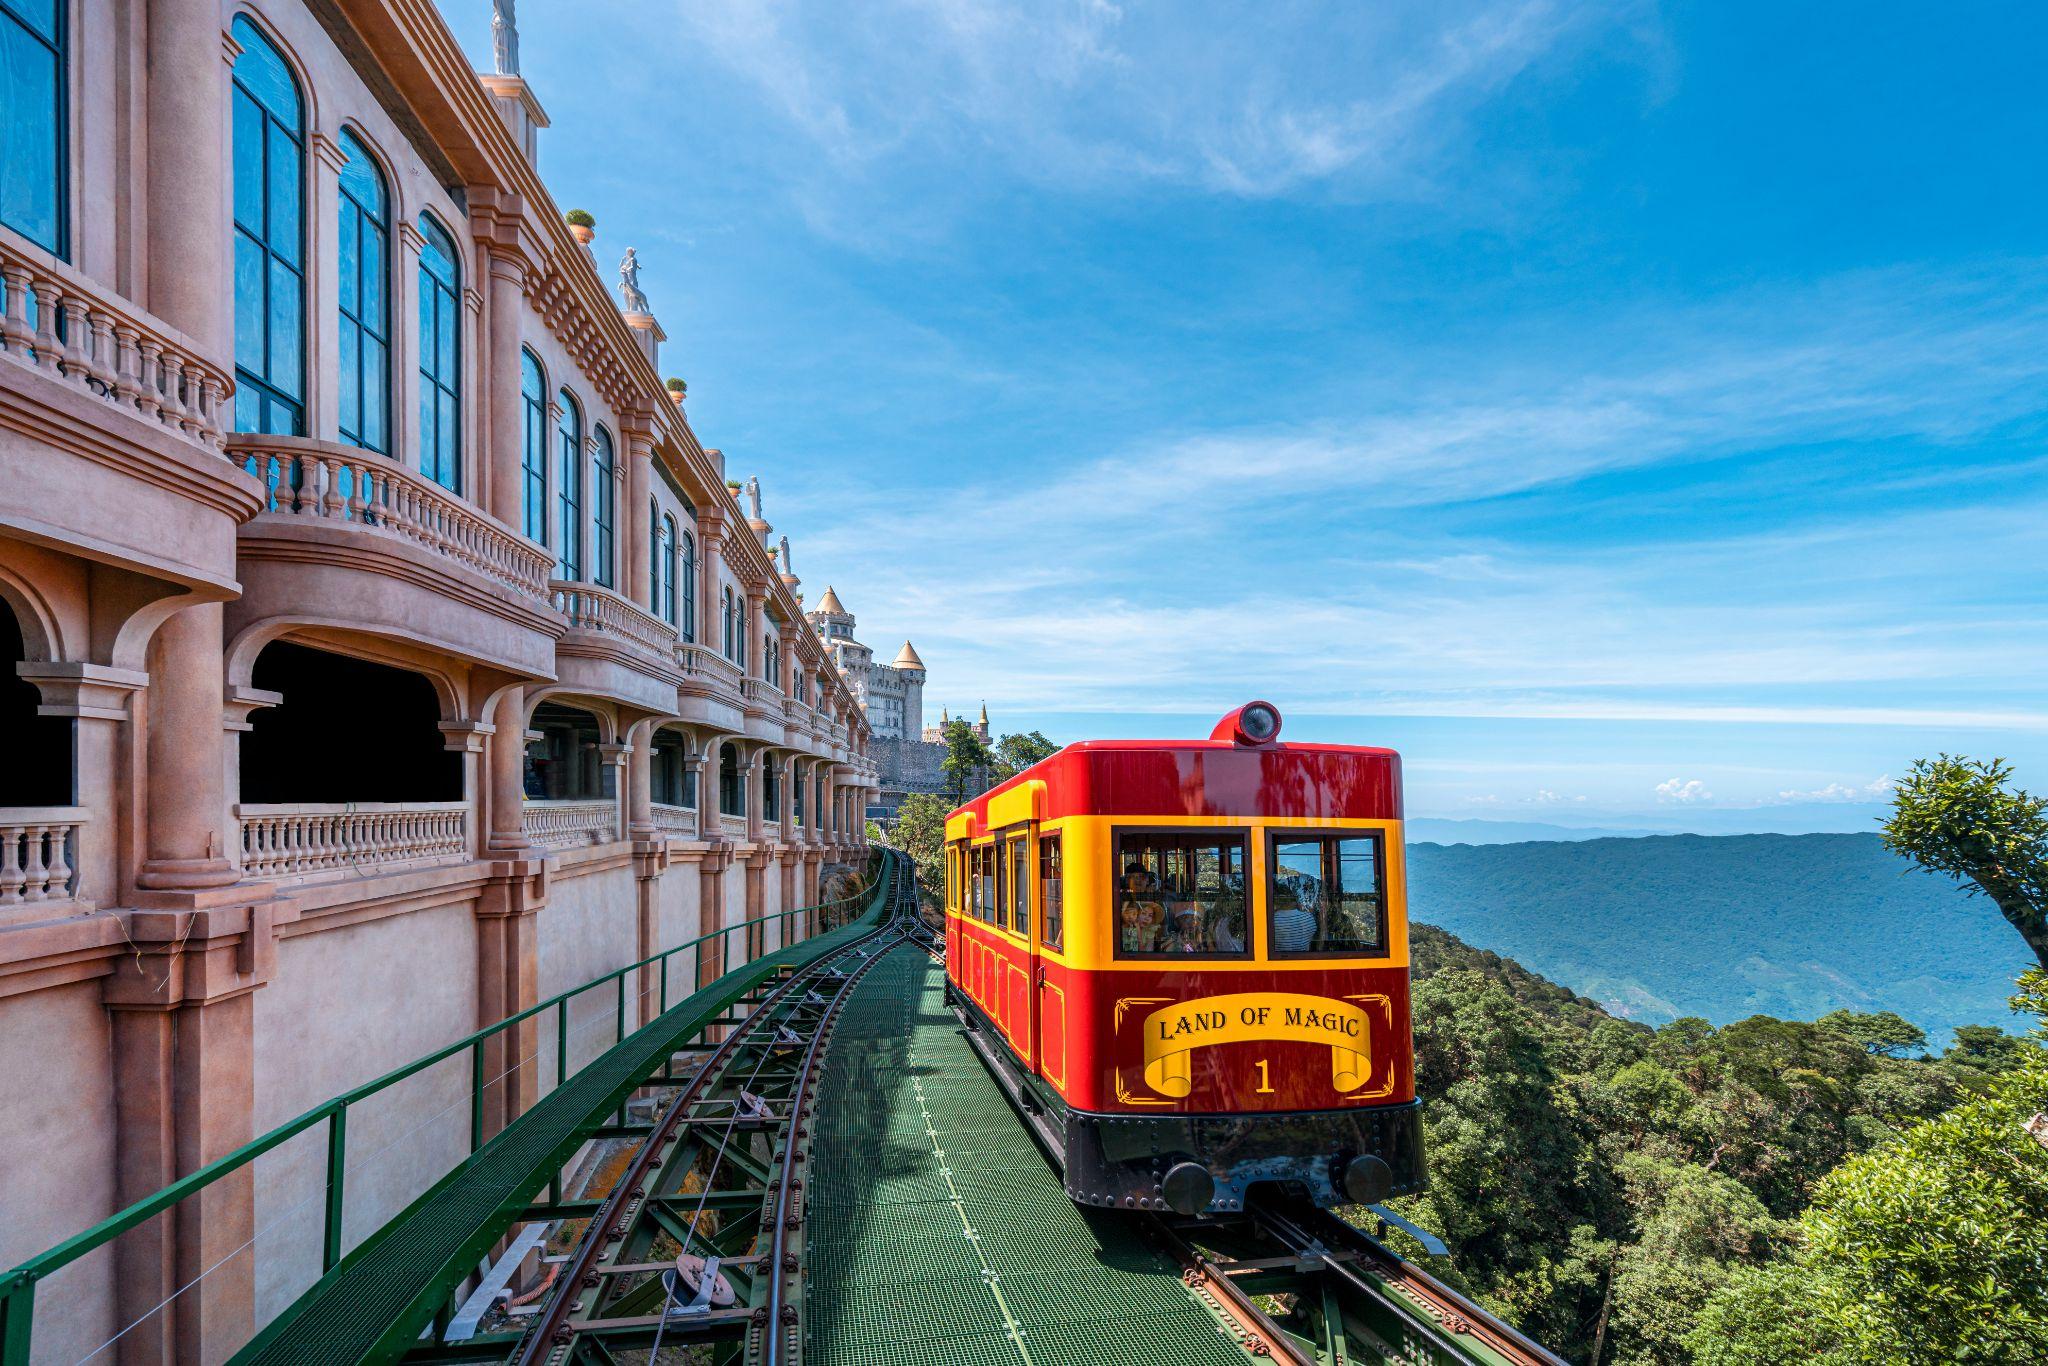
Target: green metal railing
17,1287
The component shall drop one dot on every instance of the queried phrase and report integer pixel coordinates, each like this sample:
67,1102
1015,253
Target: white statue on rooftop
505,36
630,297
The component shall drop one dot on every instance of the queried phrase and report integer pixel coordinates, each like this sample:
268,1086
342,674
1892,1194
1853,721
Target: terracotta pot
581,233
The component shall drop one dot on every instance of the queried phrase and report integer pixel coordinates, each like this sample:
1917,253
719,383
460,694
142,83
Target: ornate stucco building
381,651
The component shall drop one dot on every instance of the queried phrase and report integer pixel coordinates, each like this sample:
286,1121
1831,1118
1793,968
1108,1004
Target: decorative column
709,829
404,421
650,858
508,950
757,631
758,853
323,328
504,303
711,546
638,578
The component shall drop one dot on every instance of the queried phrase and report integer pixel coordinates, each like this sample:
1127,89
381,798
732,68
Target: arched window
270,281
569,487
440,357
665,570
363,266
32,122
727,623
689,623
602,500
533,402
774,663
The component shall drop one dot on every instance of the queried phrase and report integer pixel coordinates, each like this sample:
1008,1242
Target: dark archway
671,775
732,784
347,731
41,767
564,764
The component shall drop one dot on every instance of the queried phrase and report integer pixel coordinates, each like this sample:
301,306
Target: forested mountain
1629,1195
1728,926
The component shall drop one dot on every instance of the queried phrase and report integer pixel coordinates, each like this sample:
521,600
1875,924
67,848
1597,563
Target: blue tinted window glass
287,334
282,231
261,70
360,178
250,313
248,163
32,124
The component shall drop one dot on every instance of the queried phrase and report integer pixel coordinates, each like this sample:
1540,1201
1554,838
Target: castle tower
911,670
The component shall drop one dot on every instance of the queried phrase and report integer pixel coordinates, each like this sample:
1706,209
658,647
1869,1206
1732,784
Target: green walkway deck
373,1305
939,1234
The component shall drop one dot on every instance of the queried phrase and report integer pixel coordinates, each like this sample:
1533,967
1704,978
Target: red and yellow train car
1194,956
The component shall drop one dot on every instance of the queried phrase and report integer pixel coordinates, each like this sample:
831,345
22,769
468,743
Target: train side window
1020,886
1181,893
1051,898
1324,895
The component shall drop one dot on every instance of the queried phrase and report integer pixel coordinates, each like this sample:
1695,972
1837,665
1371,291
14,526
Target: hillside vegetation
1728,926
1641,1195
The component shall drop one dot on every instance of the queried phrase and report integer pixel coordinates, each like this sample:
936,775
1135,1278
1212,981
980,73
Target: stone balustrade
306,478
571,824
734,826
679,821
70,329
302,839
39,855
600,610
710,669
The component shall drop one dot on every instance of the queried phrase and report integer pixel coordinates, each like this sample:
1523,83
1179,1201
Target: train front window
1180,894
1324,896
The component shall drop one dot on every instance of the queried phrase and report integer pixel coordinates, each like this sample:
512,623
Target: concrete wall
346,1006
57,1134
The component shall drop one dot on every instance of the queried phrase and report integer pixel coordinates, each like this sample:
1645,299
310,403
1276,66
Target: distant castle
906,750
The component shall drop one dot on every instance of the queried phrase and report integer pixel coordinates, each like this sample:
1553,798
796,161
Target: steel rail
785,1219
552,1329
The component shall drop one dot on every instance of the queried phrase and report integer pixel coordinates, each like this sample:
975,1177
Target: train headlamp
1254,723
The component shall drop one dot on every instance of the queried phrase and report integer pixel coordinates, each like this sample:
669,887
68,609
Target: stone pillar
711,547
650,862
187,136
711,954
617,758
757,632
639,520
98,700
786,808
756,771
791,926
504,305
505,799
709,828
323,295
187,845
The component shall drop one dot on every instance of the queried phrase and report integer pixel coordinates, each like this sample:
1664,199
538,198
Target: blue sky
1632,412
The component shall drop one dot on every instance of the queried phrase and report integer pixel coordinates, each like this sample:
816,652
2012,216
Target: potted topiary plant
582,226
677,390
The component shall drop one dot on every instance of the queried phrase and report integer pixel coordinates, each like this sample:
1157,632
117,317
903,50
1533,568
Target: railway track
713,1193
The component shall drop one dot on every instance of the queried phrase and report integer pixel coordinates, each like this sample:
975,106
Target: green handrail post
17,1307
476,1095
337,1169
562,1041
619,1034
664,986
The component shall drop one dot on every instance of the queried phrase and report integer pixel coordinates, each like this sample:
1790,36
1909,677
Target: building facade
380,650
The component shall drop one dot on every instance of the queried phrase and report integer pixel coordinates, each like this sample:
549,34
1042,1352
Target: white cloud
1684,791
1874,790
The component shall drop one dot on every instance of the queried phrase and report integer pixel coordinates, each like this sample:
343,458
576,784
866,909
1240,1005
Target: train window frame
1016,846
1052,921
1269,884
1246,839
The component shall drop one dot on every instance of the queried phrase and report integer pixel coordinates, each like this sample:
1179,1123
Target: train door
1049,998
1018,996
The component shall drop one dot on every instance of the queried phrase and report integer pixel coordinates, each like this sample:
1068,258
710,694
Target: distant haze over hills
1780,818
1727,926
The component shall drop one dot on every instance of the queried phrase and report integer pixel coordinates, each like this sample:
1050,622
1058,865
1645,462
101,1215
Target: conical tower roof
906,658
830,602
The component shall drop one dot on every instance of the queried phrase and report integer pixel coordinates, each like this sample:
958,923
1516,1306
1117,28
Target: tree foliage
1960,817
1015,753
921,833
1635,1195
968,761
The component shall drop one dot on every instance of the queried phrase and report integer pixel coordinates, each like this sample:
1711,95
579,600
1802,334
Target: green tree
1958,816
921,833
1882,1033
1015,753
966,763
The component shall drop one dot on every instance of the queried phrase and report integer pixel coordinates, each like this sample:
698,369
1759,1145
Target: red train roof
1212,778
